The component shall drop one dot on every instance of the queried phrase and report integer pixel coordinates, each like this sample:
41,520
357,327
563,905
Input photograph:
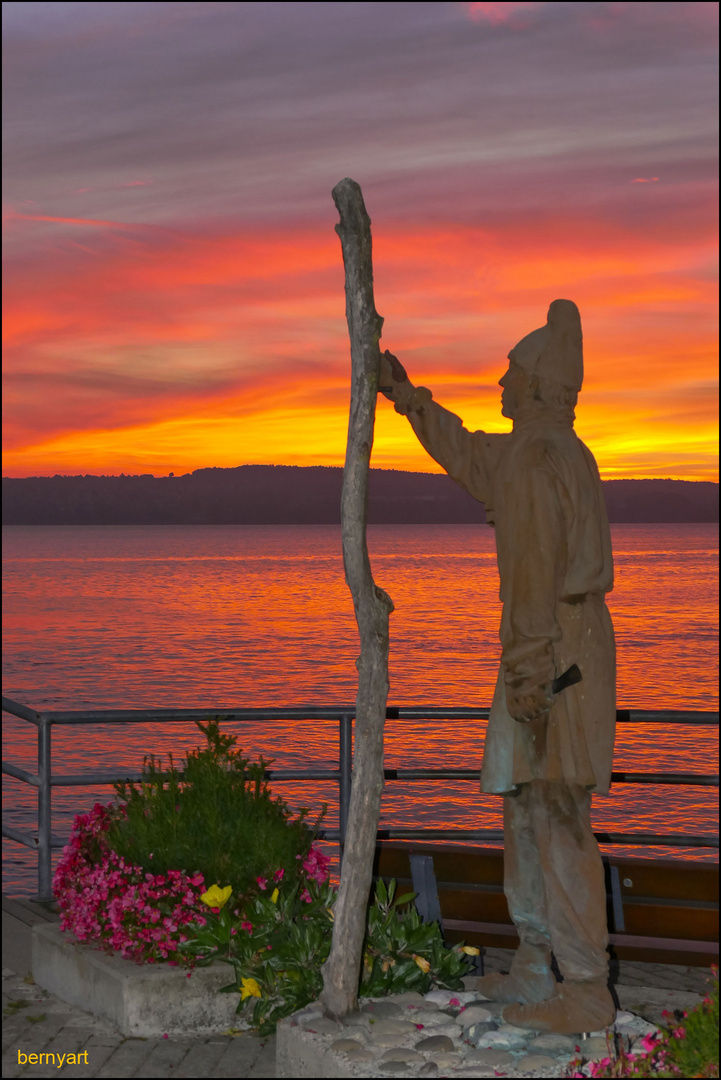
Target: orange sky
146,334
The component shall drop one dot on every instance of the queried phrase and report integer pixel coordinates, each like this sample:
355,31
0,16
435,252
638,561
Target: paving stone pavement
35,1022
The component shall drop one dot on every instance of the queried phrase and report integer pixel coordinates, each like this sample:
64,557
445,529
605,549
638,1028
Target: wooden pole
341,972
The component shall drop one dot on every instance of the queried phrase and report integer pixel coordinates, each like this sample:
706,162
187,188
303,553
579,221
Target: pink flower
278,875
247,926
262,883
305,895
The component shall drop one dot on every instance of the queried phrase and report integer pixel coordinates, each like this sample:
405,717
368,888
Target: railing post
345,766
45,884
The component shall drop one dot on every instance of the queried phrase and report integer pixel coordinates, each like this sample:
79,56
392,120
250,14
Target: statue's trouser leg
554,884
530,978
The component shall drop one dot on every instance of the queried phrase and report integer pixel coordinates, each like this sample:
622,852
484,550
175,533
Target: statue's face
517,389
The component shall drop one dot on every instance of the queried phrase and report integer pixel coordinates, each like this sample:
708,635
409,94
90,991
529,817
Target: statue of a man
544,753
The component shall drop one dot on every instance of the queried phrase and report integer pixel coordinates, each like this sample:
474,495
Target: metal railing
45,781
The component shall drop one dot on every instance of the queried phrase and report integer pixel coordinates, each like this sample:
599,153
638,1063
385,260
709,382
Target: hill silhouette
296,495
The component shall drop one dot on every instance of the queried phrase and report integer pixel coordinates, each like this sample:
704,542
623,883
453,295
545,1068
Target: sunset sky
173,282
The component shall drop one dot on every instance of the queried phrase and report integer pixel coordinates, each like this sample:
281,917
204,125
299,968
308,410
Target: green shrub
219,818
402,953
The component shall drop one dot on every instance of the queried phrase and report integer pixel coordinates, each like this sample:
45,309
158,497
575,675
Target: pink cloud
645,180
498,13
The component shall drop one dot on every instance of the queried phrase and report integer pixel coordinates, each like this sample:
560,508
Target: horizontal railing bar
426,712
694,779
665,716
451,835
658,839
631,839
83,779
111,777
697,779
21,774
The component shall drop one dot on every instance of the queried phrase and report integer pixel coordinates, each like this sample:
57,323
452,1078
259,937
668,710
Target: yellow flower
274,895
249,988
471,950
217,897
387,964
422,964
331,916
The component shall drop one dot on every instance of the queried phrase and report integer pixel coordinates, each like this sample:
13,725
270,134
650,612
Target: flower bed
274,928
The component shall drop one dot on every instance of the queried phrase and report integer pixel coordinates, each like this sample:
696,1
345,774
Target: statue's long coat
541,488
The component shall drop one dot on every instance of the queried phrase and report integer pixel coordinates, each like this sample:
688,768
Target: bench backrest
660,910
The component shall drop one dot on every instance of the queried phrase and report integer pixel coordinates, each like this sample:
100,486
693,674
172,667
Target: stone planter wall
138,999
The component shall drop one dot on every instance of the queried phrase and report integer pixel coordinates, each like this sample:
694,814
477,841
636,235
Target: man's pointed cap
554,351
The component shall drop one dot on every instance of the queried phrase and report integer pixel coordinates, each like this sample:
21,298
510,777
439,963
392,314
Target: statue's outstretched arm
463,454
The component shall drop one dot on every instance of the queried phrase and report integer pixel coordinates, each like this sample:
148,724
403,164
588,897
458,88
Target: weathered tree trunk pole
341,972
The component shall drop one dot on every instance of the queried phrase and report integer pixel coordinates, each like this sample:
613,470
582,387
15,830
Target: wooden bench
660,910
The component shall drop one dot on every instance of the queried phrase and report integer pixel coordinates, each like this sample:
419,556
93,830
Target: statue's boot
530,978
577,1007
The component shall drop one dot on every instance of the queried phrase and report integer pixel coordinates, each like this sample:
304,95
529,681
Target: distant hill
290,495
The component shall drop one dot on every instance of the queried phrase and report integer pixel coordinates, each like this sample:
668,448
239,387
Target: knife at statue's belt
569,678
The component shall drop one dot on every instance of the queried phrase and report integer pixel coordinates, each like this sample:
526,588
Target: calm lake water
231,616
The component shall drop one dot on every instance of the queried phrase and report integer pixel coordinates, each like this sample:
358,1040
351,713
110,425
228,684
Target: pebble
356,1020
636,1029
501,1040
594,1047
429,1069
511,1030
446,1061
394,1066
344,1045
411,997
554,1043
382,1010
400,1053
453,1031
435,1043
446,998
392,1027
536,1062
360,1055
477,1070
473,1014
384,1040
429,1017
474,1033
491,1057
